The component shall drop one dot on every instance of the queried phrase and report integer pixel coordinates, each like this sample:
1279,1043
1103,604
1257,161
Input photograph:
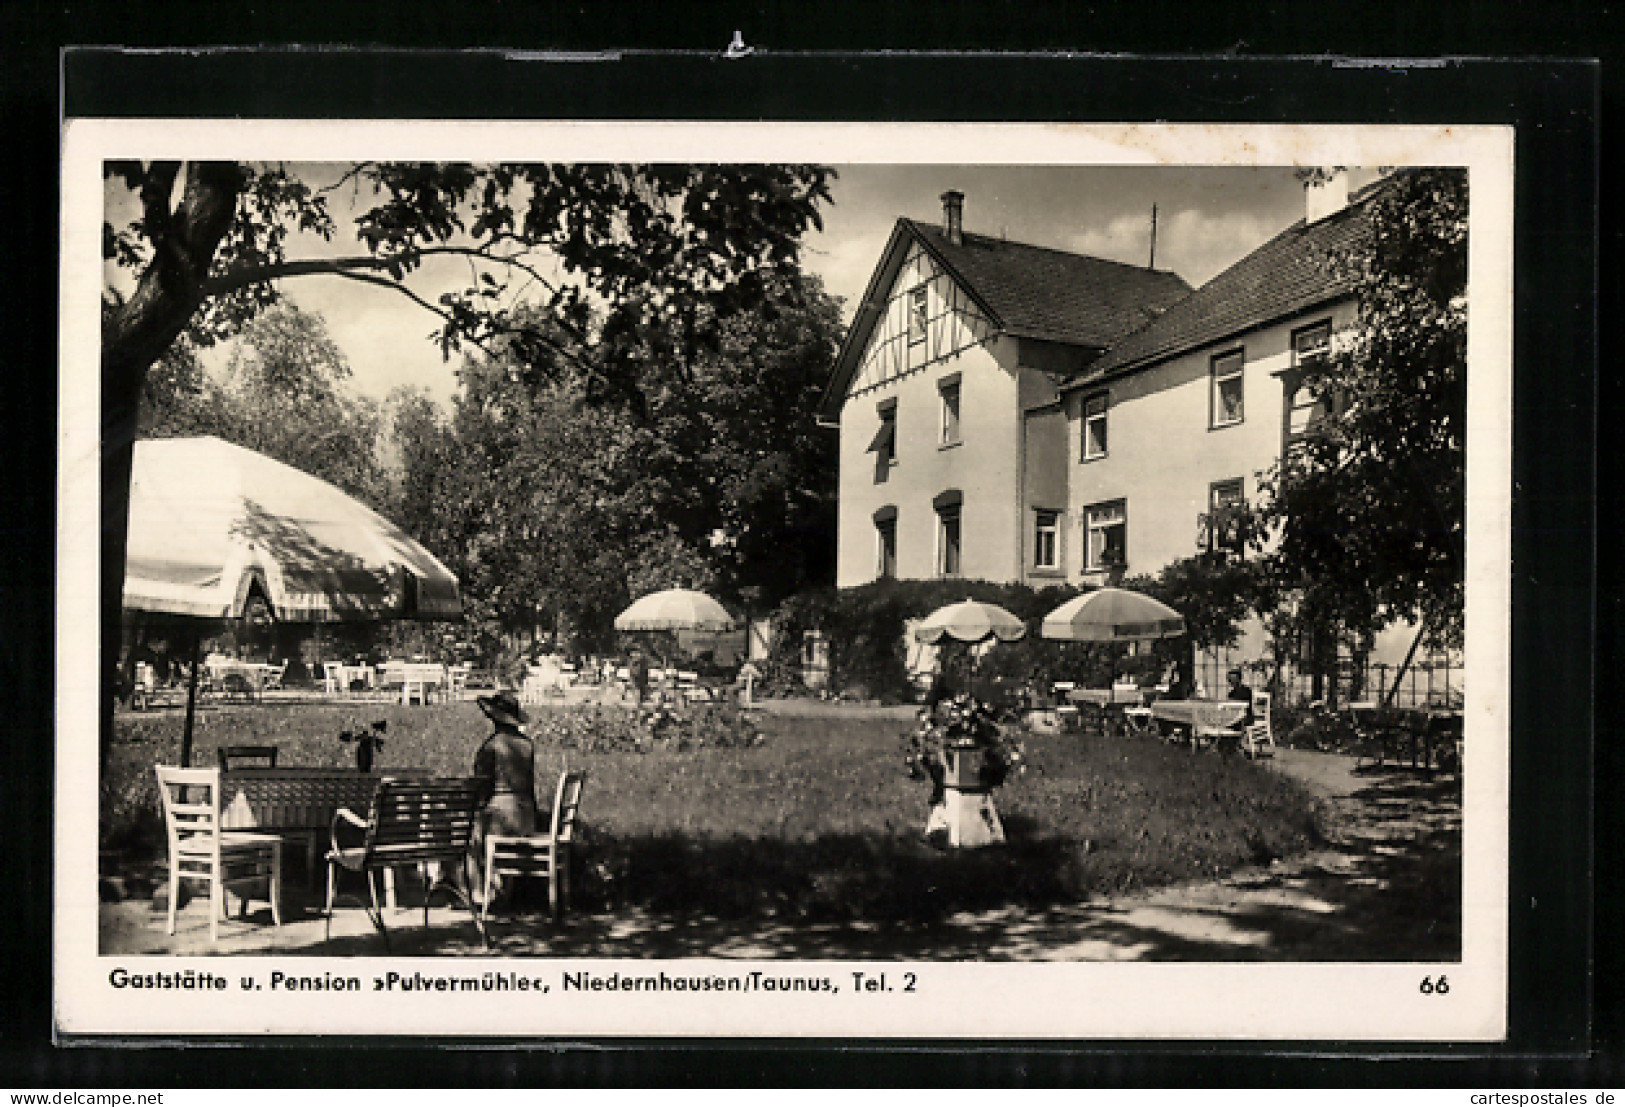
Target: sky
1207,218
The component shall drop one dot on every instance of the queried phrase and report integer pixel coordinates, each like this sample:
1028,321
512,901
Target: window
1304,406
886,544
948,541
946,505
916,315
1107,531
1094,427
884,443
1224,531
1046,539
1226,399
948,389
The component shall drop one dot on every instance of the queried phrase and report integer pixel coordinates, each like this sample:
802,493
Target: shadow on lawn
1387,889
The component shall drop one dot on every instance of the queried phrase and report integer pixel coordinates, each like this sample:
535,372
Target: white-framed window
917,315
1046,539
1305,406
1223,528
1226,404
948,390
1106,536
884,443
886,546
1094,427
949,550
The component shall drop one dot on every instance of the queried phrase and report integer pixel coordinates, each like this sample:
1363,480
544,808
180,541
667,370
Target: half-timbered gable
948,373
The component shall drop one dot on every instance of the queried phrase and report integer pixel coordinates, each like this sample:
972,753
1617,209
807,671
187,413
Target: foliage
865,628
1368,508
600,729
815,823
962,724
559,504
284,393
1214,593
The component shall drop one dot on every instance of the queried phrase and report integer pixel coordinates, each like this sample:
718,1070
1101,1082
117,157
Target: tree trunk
134,336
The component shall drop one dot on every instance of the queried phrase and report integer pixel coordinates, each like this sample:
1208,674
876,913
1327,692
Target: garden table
1188,716
251,676
298,801
1111,703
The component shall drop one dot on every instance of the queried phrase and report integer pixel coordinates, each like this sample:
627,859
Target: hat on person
1234,674
503,708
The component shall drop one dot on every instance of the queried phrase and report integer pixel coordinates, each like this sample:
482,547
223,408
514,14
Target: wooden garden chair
200,850
231,757
539,854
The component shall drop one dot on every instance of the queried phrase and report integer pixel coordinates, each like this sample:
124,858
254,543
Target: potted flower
962,749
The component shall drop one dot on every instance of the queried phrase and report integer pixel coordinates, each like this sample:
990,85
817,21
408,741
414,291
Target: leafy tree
285,395
209,243
1367,509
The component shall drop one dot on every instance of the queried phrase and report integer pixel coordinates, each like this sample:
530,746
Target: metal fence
1431,682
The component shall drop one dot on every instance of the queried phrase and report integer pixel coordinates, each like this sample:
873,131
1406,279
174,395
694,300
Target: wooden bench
297,802
408,822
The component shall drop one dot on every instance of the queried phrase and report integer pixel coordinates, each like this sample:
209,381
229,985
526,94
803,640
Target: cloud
1195,244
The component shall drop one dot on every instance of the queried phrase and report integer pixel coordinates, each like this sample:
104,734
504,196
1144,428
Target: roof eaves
1089,379
857,335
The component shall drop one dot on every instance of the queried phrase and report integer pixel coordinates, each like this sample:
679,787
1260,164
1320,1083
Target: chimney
953,216
1325,193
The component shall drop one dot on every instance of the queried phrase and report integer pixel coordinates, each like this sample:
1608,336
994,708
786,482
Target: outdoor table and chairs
1428,737
1108,705
342,678
297,802
240,678
1187,719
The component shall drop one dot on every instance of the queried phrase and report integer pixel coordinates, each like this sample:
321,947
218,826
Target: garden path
1385,886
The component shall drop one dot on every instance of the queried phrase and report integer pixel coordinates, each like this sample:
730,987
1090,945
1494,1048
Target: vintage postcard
883,581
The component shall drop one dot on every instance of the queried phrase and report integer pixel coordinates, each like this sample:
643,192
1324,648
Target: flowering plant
961,723
367,743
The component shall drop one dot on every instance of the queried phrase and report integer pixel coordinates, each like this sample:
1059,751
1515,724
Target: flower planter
966,812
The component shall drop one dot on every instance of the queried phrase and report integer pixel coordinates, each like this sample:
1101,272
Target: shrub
865,628
601,729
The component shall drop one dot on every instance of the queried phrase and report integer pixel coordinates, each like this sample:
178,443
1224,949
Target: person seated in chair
506,767
1240,691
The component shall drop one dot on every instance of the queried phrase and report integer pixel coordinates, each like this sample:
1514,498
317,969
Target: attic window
916,315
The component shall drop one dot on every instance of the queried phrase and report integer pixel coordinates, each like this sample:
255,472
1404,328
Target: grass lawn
820,822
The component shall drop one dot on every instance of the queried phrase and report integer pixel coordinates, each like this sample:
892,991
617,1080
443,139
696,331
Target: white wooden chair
1259,739
539,854
200,850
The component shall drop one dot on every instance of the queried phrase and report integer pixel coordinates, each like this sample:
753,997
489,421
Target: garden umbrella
970,621
1112,615
675,609
213,525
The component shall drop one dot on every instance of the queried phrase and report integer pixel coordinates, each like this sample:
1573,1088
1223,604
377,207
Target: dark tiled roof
1034,292
1291,272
